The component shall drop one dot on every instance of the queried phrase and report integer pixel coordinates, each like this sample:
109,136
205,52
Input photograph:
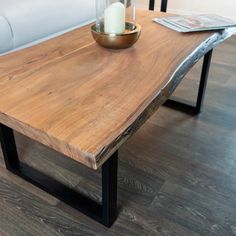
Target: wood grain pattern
185,167
41,54
88,101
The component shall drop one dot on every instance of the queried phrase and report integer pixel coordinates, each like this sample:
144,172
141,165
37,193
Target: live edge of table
84,101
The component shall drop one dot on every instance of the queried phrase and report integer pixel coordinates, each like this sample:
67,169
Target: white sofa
27,22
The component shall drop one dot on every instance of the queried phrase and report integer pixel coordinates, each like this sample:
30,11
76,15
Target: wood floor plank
16,205
156,224
27,186
38,217
29,156
194,211
135,186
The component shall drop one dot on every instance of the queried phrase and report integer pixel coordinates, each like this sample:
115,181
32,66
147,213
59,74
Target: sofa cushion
6,37
31,20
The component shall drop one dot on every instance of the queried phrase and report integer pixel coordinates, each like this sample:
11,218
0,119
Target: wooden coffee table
85,101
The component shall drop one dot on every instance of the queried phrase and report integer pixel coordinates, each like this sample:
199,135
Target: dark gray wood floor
177,175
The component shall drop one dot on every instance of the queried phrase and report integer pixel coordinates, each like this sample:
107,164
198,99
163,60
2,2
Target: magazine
193,23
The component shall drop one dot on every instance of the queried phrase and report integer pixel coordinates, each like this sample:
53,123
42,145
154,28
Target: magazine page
201,21
169,25
193,23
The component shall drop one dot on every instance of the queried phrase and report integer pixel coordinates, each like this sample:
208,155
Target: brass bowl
118,41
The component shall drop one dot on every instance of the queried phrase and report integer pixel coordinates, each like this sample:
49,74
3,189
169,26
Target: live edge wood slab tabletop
86,101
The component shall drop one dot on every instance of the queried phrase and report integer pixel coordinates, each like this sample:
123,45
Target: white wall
225,8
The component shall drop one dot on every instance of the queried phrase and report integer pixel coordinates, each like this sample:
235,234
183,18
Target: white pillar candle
114,18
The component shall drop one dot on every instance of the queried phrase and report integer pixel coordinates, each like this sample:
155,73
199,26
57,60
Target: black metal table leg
109,190
180,104
104,212
163,5
203,81
151,5
194,109
9,148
